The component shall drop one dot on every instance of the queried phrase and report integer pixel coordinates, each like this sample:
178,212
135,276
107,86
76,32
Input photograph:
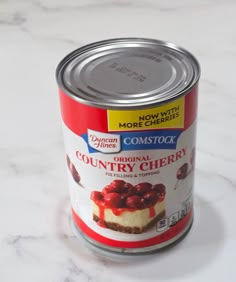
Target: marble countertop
36,240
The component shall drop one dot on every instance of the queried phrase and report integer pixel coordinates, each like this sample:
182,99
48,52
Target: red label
166,236
79,117
131,172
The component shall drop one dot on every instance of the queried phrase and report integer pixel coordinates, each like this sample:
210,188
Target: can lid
127,73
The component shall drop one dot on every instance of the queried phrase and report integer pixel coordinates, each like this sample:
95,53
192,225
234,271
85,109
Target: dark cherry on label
159,188
107,189
130,192
150,198
68,161
114,200
117,184
135,202
75,173
96,196
182,172
73,170
143,188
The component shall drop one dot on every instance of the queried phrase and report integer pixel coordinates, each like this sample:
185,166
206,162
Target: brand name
150,140
103,142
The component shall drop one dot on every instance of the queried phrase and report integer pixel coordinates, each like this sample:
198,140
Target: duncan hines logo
104,142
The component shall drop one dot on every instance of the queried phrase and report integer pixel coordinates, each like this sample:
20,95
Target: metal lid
127,73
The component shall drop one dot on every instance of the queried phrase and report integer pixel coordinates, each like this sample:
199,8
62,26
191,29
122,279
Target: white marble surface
36,240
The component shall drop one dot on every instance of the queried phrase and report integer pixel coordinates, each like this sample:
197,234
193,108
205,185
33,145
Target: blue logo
144,140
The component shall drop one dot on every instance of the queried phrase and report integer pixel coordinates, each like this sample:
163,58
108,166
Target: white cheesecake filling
137,218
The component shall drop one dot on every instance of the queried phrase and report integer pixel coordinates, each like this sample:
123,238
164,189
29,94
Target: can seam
109,105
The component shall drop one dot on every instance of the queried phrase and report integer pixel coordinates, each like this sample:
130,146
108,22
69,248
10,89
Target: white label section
104,142
97,170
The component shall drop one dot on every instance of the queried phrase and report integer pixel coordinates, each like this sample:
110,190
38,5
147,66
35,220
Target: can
129,110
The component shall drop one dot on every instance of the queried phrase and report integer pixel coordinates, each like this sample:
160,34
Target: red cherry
117,183
74,173
143,188
111,188
117,186
135,202
159,188
161,191
131,192
128,190
151,198
107,189
128,186
96,196
113,200
182,171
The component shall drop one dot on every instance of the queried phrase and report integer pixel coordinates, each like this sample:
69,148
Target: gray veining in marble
36,240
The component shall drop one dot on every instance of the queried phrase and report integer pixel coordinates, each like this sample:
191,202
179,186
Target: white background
36,241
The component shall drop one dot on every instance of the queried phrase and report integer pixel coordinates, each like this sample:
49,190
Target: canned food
129,111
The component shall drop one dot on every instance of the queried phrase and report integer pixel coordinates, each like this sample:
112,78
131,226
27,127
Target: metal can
129,110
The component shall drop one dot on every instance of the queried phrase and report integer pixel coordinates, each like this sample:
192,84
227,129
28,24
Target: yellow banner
170,115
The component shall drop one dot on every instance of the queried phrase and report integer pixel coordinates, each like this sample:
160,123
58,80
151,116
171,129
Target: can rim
116,41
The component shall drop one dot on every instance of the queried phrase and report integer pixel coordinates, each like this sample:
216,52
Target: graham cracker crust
131,230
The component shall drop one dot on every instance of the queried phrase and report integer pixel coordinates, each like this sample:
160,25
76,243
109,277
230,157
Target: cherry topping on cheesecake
160,189
143,188
117,185
135,202
96,196
151,198
123,195
113,200
128,191
107,189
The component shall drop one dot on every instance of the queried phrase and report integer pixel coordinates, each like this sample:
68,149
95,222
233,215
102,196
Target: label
170,115
131,172
102,142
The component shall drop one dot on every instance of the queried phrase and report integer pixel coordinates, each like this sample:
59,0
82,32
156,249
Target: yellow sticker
170,115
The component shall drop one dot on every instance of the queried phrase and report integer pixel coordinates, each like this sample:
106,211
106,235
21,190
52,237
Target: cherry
135,202
182,171
96,195
143,188
159,188
161,191
128,186
114,200
151,198
74,173
68,160
130,191
107,189
72,169
117,183
117,186
192,157
112,188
